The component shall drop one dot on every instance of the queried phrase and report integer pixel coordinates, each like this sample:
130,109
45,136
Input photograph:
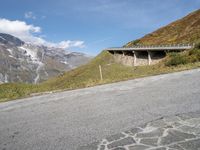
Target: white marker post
100,71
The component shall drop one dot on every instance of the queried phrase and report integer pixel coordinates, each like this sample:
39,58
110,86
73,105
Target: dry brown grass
185,30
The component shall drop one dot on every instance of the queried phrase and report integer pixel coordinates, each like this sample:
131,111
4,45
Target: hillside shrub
136,42
194,55
197,45
176,59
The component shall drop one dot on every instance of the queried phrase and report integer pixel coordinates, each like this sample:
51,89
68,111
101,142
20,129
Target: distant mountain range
185,30
29,63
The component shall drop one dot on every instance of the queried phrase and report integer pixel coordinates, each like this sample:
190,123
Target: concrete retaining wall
138,58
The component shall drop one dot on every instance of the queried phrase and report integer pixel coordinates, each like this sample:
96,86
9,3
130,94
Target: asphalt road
71,119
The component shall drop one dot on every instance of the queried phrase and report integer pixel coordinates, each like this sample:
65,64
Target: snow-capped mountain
25,62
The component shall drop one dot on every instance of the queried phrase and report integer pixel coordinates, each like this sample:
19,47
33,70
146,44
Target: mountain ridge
9,39
30,63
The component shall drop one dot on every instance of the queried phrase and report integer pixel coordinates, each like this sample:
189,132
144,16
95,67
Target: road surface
70,119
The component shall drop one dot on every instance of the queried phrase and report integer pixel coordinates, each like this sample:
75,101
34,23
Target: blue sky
94,24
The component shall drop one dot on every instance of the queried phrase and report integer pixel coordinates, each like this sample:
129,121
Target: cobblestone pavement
180,132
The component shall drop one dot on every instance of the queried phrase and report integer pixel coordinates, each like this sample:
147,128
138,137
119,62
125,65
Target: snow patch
40,66
149,129
12,56
10,51
6,78
64,62
70,65
2,38
30,52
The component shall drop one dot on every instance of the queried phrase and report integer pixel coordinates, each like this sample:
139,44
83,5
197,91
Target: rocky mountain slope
23,62
185,30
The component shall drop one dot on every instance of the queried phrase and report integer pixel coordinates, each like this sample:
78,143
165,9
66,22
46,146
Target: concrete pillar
149,57
135,58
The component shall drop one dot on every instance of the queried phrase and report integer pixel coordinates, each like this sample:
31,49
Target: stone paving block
193,122
115,137
158,123
175,136
122,142
93,146
171,119
194,114
176,124
184,116
133,131
102,147
138,147
149,141
175,146
155,133
189,129
159,148
191,145
168,127
119,148
143,125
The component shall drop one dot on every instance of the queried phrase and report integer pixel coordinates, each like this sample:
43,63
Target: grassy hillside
185,30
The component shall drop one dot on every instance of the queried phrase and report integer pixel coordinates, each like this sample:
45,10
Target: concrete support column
149,57
135,58
123,53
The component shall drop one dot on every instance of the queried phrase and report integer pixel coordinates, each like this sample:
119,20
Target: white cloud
68,43
32,34
43,17
29,15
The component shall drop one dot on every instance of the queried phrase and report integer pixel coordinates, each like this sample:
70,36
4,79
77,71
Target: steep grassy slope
88,75
185,30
